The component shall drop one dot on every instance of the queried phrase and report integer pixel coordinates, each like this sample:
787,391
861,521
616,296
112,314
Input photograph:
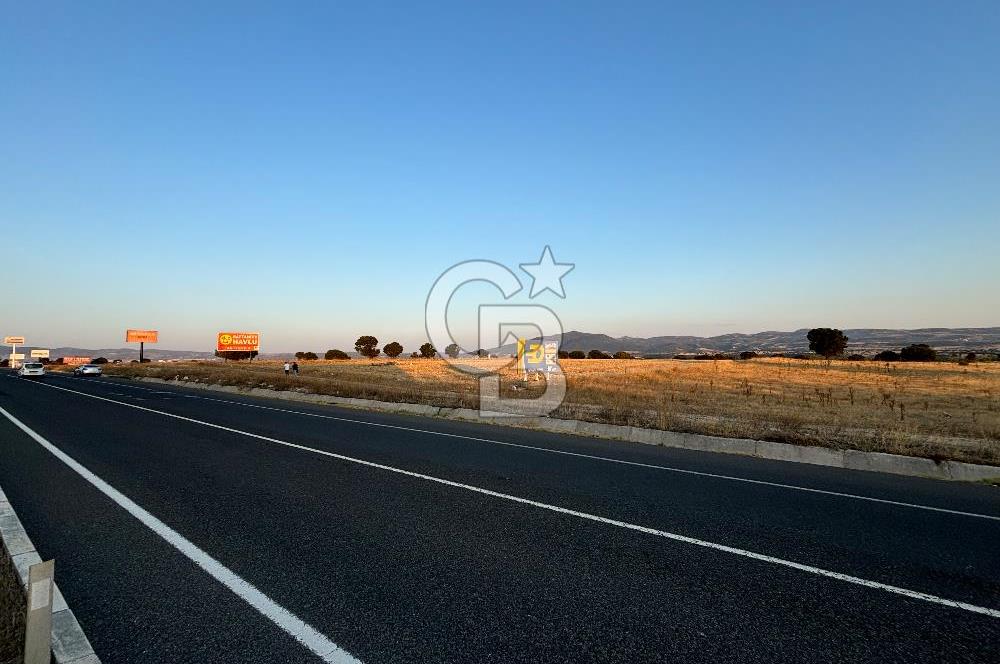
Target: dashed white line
685,471
912,594
302,632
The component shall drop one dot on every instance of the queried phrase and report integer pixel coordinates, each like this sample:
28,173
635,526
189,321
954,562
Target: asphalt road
402,539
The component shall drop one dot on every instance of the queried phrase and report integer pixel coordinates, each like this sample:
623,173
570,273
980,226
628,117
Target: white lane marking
594,457
302,632
913,594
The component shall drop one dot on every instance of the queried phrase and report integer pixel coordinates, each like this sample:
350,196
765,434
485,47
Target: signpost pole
142,345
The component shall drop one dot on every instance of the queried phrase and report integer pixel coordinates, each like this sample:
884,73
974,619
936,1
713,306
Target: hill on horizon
861,340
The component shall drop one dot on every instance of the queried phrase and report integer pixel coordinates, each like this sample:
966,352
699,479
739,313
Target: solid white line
594,457
326,649
993,613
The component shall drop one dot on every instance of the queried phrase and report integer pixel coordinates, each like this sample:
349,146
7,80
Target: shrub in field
334,354
100,360
427,350
309,355
748,355
887,356
598,355
393,349
563,355
452,350
918,353
577,355
856,357
826,341
970,357
367,346
414,355
622,355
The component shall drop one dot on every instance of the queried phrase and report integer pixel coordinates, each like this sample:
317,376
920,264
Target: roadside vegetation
940,410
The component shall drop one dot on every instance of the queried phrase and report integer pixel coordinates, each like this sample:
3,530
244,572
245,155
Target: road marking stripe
302,632
913,594
581,455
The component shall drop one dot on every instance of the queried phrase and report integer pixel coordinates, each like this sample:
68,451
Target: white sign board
13,341
16,356
40,352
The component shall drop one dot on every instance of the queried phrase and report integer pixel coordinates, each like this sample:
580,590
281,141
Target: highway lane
396,568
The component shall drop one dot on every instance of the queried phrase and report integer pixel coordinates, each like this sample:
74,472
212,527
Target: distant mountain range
864,340
860,341
125,353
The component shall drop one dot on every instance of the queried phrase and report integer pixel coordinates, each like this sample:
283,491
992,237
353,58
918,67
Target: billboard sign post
240,342
13,342
40,353
142,337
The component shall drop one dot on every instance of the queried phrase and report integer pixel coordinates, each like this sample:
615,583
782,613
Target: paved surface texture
396,567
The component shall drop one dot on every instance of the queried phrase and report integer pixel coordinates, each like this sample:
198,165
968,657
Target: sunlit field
938,410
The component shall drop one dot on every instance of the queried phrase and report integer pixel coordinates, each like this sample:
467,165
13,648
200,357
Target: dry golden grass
937,410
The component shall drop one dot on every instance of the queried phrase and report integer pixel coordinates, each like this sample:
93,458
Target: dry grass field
937,410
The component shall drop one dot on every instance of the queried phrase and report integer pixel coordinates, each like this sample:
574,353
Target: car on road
31,370
87,370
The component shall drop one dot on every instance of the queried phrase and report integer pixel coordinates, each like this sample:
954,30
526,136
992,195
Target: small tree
481,352
887,356
828,342
367,346
970,357
563,354
335,354
99,360
414,355
622,355
310,356
300,355
427,350
393,349
856,358
598,355
452,350
748,355
577,355
918,353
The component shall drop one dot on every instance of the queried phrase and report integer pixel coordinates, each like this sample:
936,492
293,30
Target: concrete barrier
821,456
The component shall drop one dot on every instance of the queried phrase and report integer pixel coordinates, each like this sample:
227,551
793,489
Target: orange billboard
240,341
75,359
142,336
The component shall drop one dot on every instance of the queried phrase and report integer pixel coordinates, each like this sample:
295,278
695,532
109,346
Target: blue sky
308,170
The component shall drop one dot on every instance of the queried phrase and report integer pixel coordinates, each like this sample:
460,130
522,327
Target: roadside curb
878,462
69,643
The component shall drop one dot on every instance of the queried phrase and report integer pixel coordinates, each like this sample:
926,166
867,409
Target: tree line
823,341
